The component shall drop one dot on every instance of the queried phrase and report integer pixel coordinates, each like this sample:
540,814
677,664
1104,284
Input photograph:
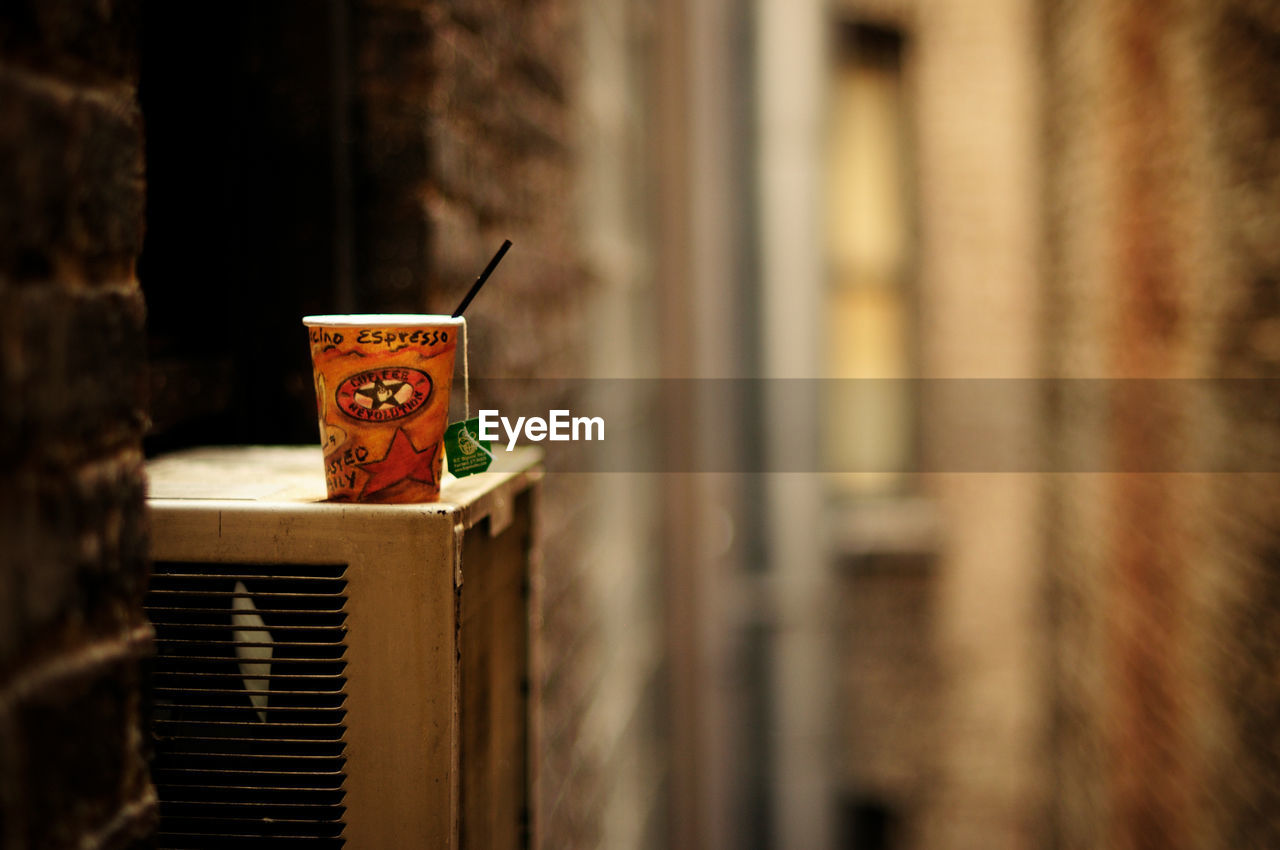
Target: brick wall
1240,650
1131,696
461,133
72,772
1163,174
977,112
465,121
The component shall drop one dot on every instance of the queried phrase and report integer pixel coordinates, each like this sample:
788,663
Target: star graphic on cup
380,392
401,461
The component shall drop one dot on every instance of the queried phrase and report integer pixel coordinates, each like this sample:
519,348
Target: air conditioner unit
337,674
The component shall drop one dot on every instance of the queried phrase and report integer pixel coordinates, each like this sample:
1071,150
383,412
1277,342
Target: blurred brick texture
463,137
1111,681
72,769
1164,593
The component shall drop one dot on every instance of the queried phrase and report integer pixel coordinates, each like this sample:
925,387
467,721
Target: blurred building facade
1039,191
1162,232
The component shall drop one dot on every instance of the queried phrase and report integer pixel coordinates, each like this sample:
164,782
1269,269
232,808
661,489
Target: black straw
484,275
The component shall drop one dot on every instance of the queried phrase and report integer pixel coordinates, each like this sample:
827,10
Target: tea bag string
466,392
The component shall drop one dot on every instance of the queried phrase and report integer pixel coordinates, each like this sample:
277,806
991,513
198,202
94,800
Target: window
869,406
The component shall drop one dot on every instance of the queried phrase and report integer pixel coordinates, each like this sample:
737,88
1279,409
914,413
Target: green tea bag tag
467,453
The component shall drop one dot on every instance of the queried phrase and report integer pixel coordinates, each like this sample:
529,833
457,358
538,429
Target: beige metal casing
436,650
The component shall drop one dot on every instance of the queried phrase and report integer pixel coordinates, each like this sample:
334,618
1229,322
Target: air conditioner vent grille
249,690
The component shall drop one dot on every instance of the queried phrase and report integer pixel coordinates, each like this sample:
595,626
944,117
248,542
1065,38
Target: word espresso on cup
560,425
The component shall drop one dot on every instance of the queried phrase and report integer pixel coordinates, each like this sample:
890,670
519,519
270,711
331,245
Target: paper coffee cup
382,396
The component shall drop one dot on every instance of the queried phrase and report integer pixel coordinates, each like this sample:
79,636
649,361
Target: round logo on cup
381,395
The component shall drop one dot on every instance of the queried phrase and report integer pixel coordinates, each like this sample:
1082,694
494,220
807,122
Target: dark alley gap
241,227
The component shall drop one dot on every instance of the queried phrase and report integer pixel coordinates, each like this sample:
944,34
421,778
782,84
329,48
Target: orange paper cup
382,395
